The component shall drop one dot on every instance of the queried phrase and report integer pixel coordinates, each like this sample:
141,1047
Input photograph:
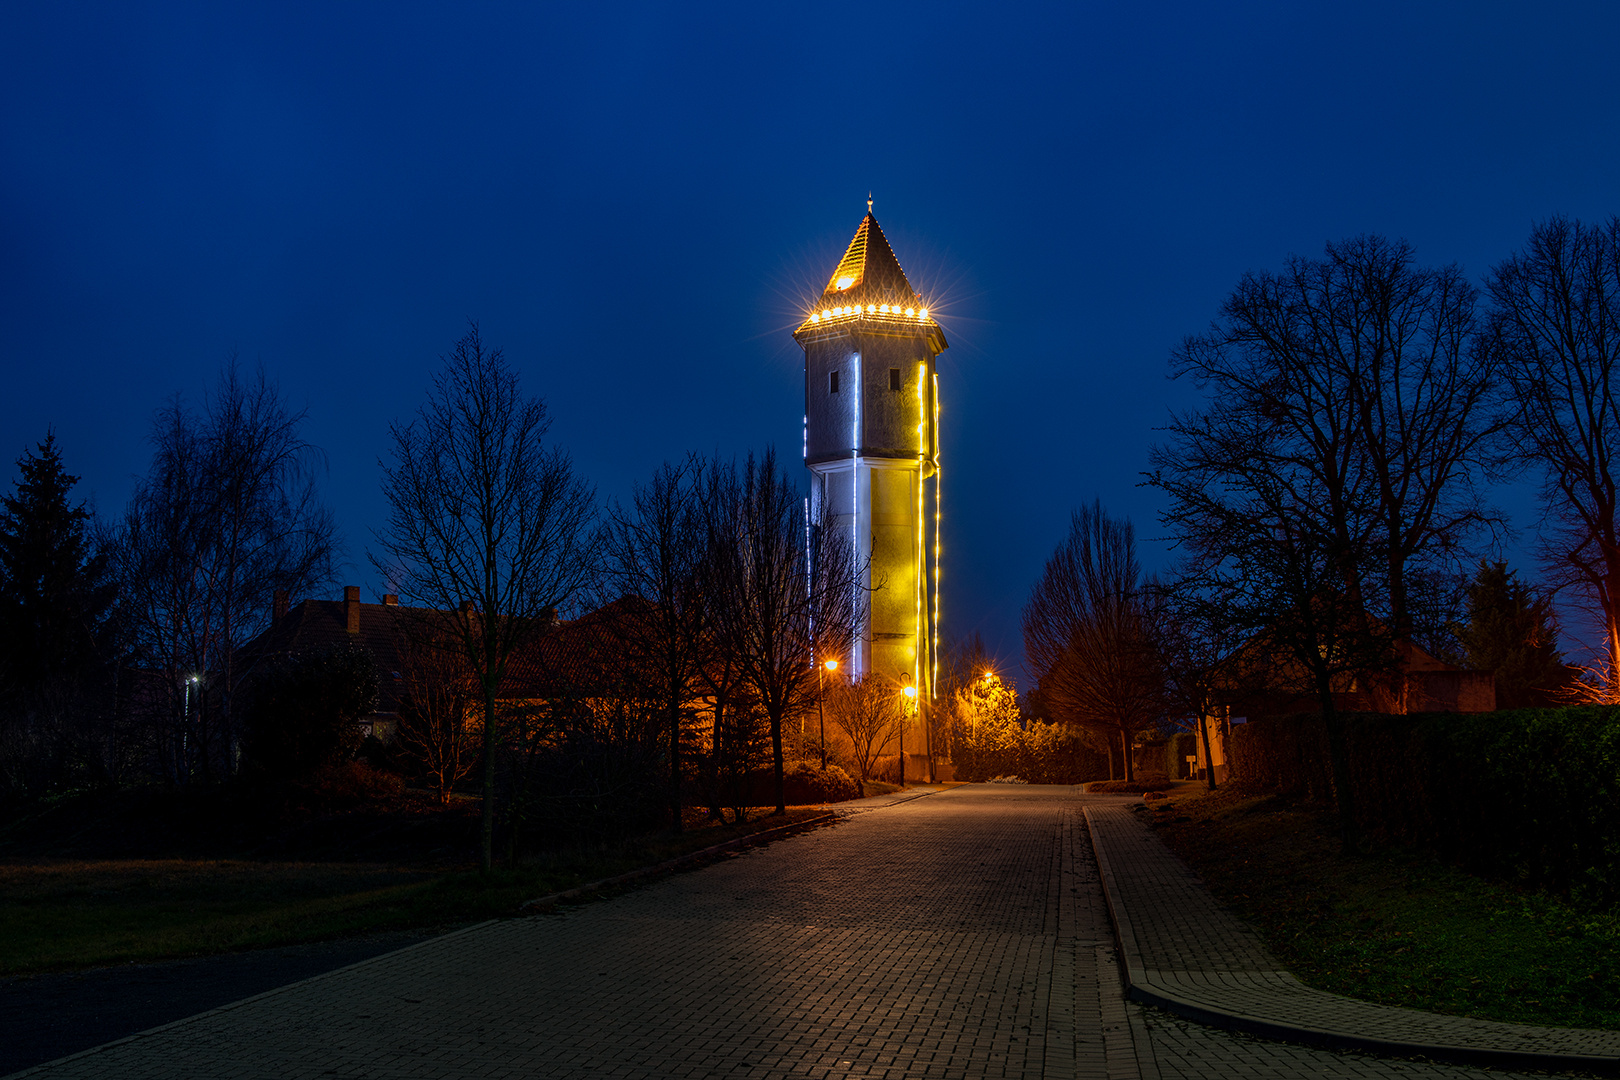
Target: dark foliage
1511,632
1527,795
57,645
589,787
306,711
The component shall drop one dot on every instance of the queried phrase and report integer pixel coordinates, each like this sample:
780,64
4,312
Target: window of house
894,378
832,382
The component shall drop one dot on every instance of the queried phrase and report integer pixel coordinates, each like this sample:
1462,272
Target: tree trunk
1339,763
1209,757
486,846
776,747
675,763
1125,754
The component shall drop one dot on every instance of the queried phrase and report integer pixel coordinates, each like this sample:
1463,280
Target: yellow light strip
850,311
920,576
933,682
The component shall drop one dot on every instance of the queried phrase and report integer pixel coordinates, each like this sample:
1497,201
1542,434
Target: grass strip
1393,925
61,915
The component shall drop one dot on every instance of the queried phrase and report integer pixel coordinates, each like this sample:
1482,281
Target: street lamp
911,692
821,708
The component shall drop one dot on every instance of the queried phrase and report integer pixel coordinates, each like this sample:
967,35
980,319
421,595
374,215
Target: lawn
1393,925
62,914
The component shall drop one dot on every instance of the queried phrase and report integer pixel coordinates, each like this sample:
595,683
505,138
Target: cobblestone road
959,935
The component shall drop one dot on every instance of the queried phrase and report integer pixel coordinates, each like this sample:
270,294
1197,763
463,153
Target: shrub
1529,795
806,782
305,711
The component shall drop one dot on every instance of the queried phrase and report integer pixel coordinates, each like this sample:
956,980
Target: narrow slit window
832,382
894,378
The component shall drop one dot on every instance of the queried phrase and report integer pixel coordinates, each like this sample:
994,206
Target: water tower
871,443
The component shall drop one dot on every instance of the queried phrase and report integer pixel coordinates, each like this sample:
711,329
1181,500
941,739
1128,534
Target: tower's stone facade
871,442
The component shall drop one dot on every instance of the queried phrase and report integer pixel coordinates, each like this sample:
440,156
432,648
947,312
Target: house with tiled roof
581,658
322,624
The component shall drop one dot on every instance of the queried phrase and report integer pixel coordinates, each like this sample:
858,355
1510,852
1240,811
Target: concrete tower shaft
872,446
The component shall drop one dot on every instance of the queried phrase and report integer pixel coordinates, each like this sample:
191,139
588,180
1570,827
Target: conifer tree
54,601
1511,631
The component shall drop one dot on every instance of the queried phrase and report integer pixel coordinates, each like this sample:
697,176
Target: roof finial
868,202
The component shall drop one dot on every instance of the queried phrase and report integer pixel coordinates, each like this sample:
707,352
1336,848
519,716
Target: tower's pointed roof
869,272
870,289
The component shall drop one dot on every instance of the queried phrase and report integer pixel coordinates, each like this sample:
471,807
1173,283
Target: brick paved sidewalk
1184,953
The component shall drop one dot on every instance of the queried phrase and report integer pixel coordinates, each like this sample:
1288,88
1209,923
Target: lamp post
911,692
185,728
821,708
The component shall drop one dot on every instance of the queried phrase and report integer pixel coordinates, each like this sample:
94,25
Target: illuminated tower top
871,290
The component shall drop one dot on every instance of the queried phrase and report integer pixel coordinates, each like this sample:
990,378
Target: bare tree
1336,462
1555,324
654,551
778,592
1085,631
869,712
435,725
486,523
1189,619
227,516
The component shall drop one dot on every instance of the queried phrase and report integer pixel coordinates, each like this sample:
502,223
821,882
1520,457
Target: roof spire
868,202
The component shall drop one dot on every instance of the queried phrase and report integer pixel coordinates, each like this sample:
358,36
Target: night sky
637,200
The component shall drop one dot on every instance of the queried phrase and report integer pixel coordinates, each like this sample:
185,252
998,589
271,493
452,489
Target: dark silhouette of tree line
1327,502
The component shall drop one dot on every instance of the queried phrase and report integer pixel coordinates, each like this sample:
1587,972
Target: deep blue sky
634,200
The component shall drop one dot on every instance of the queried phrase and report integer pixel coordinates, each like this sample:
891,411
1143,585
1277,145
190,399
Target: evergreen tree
54,601
54,593
1511,631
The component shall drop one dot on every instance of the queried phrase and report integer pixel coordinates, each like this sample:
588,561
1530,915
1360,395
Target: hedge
1528,795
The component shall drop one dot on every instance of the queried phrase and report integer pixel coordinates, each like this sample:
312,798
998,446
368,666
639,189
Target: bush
354,783
1529,795
806,782
305,711
803,783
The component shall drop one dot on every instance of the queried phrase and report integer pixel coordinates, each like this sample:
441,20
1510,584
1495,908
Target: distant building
579,660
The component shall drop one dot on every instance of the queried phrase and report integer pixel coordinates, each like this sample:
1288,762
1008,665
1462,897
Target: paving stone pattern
1184,950
963,934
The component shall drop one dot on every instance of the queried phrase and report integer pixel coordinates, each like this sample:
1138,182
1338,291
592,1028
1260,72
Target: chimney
351,607
278,605
390,600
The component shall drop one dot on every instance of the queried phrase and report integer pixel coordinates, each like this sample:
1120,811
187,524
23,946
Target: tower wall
869,445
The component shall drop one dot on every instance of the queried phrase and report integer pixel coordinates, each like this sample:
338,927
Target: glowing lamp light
923,313
814,317
831,665
844,283
826,313
911,312
910,691
871,307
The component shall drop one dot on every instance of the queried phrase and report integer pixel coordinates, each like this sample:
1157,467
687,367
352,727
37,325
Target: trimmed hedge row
1528,795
